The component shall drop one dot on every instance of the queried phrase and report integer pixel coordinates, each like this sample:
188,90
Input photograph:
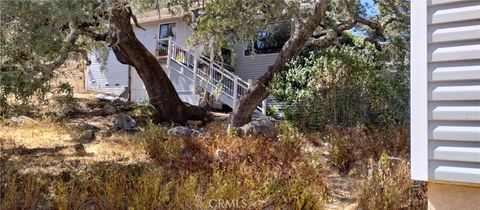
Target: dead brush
244,172
388,186
23,192
363,142
185,174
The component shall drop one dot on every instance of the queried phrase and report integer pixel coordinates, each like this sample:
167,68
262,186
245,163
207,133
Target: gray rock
109,109
183,132
20,120
108,98
220,155
88,126
84,126
87,137
124,122
106,132
262,127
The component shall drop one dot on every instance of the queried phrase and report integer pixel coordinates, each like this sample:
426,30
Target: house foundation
455,197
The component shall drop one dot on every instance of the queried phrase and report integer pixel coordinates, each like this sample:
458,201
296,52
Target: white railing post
169,51
157,41
195,67
169,54
235,89
264,107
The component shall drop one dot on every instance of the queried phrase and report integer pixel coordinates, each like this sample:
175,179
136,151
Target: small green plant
290,136
64,100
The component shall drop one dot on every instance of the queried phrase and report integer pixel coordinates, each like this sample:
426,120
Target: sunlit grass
151,170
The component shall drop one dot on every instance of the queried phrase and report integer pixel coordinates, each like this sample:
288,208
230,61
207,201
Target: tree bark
258,91
129,50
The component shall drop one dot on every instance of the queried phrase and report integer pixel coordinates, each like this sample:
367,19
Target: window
270,40
165,31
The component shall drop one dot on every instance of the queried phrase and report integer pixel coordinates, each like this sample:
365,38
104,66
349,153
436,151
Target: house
445,101
166,37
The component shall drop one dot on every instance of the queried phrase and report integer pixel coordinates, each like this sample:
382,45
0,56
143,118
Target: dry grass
379,158
42,169
389,186
41,134
357,145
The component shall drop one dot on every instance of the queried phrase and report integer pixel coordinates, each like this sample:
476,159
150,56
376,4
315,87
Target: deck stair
207,75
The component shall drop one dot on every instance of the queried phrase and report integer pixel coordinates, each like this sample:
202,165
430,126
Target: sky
371,11
372,7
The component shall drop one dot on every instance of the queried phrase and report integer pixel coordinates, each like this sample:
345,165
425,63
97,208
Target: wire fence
346,108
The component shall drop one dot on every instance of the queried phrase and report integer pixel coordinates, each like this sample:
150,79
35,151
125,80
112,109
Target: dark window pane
166,30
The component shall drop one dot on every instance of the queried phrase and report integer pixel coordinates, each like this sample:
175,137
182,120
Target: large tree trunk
257,92
129,50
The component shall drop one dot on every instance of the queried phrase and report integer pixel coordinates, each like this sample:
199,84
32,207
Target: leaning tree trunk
129,50
257,92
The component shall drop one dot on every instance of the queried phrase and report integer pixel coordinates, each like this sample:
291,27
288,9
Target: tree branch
84,54
69,44
93,35
328,37
134,18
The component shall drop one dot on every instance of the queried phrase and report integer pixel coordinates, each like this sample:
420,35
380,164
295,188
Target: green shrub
343,87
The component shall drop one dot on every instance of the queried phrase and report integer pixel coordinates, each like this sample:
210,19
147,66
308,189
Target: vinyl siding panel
440,2
459,72
454,171
448,132
456,113
112,79
453,68
451,34
253,66
454,151
443,92
183,31
454,12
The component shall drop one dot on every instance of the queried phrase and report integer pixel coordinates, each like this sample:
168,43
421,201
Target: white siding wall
183,31
446,91
253,66
114,74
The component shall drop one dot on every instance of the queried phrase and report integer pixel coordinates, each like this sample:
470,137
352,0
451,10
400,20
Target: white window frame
166,23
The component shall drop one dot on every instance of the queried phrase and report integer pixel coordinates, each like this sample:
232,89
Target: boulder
20,120
108,109
262,127
108,98
124,122
106,132
84,126
183,132
87,136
